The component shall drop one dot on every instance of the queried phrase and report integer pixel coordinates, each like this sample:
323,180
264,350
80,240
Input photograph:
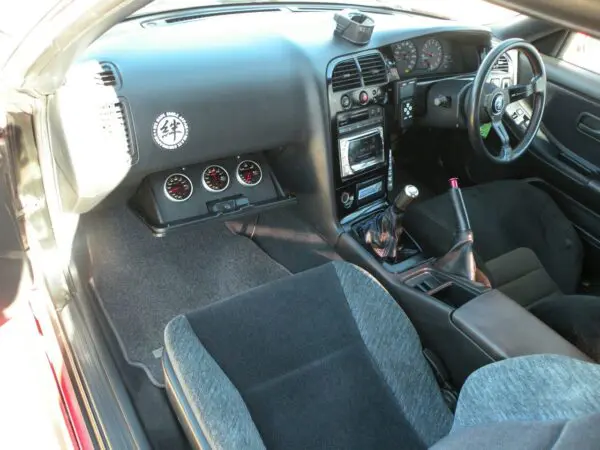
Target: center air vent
501,65
345,76
373,69
107,76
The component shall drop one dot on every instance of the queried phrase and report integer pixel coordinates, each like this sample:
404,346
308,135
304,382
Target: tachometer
432,54
215,178
405,54
249,173
178,187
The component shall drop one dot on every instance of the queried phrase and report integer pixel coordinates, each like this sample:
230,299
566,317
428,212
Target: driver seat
525,245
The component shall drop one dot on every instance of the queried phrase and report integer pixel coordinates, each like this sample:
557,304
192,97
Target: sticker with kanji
170,130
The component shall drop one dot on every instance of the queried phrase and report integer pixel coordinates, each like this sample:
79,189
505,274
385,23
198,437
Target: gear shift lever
460,259
384,232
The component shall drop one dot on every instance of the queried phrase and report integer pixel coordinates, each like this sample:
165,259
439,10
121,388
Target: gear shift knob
405,198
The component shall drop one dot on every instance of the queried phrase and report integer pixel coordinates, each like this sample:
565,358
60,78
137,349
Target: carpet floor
142,281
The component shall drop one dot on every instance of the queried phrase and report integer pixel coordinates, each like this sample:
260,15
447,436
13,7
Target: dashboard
206,100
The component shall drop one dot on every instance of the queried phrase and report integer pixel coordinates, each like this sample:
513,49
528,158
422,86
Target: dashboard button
345,100
363,98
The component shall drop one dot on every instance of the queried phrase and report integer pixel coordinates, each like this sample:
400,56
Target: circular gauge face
432,54
405,54
249,173
178,187
215,178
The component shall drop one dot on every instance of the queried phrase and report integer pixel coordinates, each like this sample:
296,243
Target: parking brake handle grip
460,259
458,203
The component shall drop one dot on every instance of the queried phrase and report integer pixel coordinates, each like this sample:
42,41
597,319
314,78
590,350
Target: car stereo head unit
361,141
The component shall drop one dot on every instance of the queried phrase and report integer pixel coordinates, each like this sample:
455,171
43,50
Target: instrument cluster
427,55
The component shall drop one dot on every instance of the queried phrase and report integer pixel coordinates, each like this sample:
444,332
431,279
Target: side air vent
122,122
108,76
373,69
345,76
501,65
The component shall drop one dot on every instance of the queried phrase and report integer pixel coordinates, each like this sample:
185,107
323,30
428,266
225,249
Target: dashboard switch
345,101
442,101
363,98
347,199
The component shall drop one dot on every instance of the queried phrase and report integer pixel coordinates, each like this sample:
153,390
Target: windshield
470,11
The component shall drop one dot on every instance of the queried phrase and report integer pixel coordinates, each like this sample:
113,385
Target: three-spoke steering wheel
488,102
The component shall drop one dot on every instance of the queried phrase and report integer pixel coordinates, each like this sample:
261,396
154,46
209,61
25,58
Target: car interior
297,225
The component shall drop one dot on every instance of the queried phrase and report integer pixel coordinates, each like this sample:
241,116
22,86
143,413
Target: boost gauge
178,187
405,54
215,178
249,173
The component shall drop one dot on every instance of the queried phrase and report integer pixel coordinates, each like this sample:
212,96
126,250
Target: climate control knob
347,199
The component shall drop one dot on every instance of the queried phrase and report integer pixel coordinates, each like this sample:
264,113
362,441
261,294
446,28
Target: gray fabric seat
327,359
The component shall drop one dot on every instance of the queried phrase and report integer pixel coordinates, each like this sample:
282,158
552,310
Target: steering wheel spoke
518,92
506,151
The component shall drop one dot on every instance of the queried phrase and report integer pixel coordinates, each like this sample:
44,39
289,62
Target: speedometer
405,54
432,54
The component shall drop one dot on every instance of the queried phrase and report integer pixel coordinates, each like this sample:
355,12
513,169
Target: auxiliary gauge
248,173
178,187
215,178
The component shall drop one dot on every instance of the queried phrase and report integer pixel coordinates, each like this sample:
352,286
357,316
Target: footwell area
142,282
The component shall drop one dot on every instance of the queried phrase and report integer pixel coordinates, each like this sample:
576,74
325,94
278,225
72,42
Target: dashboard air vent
373,68
120,117
107,75
345,76
501,65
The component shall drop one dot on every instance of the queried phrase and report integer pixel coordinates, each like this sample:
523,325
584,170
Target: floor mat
142,282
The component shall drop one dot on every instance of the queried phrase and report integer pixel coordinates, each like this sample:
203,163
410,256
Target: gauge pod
215,178
248,173
178,187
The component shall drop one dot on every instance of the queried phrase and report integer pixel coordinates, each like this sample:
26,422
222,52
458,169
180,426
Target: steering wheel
488,102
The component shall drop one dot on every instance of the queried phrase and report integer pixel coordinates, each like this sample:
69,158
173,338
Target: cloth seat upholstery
322,359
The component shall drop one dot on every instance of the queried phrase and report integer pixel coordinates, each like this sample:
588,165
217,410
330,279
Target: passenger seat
327,359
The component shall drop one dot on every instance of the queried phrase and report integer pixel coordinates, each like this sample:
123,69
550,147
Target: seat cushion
322,359
574,317
519,274
505,215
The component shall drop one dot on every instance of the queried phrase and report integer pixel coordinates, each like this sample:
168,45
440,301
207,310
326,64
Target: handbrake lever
460,259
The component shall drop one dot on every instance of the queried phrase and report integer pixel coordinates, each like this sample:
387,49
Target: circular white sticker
170,130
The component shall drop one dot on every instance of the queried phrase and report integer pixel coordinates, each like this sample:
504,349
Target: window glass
583,51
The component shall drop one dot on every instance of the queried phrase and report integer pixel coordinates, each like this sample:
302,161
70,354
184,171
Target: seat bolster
396,351
582,434
199,387
527,389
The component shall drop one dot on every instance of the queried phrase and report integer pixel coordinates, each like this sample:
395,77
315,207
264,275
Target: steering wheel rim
490,102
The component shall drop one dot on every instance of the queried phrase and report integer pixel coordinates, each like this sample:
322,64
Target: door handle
589,125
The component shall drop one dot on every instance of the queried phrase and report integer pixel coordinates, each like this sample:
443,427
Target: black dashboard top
251,81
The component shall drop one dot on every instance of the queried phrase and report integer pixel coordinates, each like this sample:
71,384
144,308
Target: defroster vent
373,69
345,76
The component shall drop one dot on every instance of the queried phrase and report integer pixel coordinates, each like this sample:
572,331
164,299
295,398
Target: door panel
566,113
566,153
